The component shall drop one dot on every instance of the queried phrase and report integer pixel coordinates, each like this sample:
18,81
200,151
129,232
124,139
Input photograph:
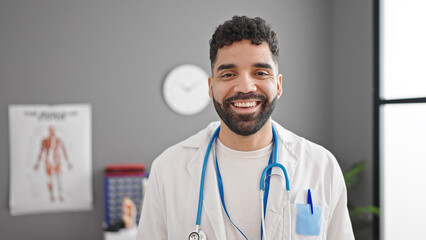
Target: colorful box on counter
120,181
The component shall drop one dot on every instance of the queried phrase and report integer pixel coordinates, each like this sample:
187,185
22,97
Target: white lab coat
170,204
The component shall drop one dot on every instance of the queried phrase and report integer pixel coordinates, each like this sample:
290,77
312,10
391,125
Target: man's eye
261,73
226,75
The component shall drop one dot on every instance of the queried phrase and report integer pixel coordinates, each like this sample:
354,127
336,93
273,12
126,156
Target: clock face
186,89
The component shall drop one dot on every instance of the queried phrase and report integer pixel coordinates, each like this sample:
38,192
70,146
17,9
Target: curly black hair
239,28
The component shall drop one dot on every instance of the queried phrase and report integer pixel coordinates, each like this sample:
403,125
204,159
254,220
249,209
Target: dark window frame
378,103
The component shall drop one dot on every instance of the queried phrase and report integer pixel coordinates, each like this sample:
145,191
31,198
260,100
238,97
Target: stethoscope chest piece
200,235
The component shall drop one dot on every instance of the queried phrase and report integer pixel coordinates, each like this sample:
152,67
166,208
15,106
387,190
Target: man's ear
210,87
279,85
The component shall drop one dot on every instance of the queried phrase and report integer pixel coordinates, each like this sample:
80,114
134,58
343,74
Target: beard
245,124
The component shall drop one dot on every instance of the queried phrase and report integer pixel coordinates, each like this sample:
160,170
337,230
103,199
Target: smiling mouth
245,104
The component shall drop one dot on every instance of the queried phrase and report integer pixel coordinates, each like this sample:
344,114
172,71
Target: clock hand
191,86
185,87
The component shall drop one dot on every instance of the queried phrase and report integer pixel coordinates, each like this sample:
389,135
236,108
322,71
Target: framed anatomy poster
50,158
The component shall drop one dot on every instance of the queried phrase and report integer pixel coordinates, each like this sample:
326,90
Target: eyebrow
230,66
226,66
263,65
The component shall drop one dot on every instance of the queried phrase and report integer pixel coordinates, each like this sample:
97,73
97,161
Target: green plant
361,216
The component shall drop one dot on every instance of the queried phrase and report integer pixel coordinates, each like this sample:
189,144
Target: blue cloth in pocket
308,223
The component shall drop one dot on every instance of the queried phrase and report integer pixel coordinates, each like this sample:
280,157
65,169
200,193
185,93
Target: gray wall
115,55
352,91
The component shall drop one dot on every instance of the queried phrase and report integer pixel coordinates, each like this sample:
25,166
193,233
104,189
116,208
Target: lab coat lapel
211,201
277,192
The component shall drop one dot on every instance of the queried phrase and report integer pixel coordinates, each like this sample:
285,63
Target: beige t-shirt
241,173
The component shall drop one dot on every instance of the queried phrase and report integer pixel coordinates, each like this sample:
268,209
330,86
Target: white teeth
245,104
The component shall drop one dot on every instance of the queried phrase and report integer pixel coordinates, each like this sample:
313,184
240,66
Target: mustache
245,96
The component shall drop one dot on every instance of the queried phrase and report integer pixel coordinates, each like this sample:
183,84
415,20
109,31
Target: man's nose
245,83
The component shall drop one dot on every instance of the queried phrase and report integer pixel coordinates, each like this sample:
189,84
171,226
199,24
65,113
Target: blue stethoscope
199,234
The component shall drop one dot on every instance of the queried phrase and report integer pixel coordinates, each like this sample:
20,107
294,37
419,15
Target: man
244,87
51,146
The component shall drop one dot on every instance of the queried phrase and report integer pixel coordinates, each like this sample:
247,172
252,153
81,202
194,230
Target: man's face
244,86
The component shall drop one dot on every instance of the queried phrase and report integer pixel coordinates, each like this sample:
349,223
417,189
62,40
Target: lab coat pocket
308,221
304,224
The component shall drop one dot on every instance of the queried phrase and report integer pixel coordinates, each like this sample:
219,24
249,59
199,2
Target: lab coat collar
286,137
211,202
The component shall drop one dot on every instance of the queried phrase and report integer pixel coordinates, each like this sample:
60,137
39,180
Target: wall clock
186,90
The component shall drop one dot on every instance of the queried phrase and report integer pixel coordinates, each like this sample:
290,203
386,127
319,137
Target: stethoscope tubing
275,164
206,158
